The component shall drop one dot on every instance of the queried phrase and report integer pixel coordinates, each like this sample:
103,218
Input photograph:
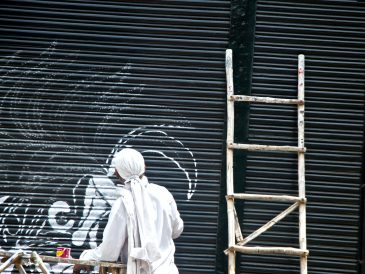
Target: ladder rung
269,198
270,250
266,147
267,100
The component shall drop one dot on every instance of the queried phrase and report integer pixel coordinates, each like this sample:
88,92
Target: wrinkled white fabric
121,234
129,163
146,217
142,223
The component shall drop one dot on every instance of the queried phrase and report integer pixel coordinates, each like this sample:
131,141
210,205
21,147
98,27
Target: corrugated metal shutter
80,79
331,35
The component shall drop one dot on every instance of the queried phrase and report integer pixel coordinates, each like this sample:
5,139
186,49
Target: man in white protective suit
142,223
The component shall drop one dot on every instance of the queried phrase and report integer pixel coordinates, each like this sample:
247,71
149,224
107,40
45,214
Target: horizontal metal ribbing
329,36
82,79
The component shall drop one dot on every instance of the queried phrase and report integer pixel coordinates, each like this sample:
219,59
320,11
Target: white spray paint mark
97,200
157,129
56,208
2,199
99,197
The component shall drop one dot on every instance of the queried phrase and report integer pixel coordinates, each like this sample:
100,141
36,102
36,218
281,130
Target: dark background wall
80,80
331,35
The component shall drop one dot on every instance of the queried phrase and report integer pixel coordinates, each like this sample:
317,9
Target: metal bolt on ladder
236,242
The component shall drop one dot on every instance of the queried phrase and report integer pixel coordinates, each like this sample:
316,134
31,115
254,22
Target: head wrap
128,162
130,165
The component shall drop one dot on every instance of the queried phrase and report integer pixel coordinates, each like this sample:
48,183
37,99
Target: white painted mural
60,127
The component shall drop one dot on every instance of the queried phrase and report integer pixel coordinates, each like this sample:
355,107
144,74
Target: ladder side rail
301,167
229,163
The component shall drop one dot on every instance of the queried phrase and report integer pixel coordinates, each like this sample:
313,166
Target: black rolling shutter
331,35
81,79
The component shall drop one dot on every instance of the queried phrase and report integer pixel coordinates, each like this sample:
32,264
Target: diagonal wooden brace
269,224
12,260
39,262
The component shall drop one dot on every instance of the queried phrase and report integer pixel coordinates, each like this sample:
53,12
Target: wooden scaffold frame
21,258
236,242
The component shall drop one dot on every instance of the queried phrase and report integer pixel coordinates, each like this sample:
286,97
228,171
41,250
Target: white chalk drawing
41,96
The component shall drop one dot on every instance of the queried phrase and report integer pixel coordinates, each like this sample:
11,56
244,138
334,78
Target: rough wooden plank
270,250
268,197
265,100
253,147
77,261
51,259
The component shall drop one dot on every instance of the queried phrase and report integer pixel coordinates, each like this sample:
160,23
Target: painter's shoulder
161,190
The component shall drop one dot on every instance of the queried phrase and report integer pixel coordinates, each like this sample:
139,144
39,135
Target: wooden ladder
236,243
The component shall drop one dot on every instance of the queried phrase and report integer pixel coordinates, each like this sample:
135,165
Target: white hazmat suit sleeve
114,236
177,222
